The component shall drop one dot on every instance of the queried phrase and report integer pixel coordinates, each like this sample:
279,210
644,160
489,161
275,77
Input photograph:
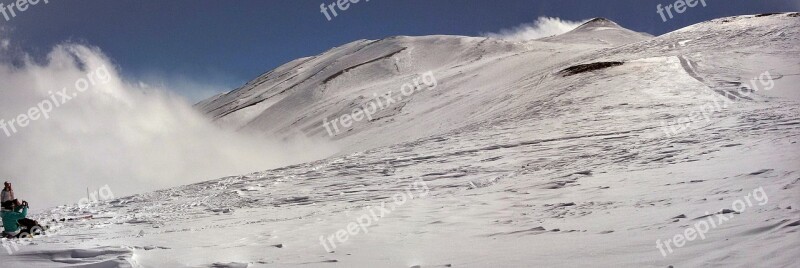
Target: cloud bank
123,134
542,27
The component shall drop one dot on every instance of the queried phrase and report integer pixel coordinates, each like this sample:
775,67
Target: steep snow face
601,32
510,162
478,74
484,79
299,97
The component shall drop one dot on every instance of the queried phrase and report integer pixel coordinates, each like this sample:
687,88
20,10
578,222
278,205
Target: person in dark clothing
15,223
10,216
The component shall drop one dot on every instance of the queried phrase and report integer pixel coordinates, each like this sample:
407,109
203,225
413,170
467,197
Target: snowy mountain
599,31
598,147
482,80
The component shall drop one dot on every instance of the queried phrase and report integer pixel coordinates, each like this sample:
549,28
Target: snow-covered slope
481,79
511,160
297,98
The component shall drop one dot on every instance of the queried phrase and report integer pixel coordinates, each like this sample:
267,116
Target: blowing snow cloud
542,27
102,130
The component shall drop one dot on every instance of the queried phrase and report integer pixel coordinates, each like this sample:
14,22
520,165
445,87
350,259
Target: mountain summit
599,31
596,23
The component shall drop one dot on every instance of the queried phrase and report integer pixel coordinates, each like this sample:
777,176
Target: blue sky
223,44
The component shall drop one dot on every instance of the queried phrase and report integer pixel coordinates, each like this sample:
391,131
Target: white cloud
542,27
131,136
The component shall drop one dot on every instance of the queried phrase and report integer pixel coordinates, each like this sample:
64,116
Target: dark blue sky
226,43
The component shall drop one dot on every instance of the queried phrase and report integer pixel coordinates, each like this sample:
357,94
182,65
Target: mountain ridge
349,75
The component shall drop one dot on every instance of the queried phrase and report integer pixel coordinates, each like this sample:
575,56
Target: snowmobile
30,228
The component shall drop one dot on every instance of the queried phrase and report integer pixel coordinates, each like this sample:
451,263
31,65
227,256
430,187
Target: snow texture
526,167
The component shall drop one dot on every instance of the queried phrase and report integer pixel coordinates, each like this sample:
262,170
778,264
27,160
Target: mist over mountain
129,136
